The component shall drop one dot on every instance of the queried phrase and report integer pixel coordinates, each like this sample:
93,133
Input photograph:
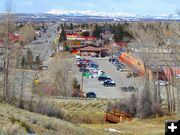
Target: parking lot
92,84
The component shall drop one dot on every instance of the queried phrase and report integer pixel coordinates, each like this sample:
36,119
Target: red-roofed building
13,38
91,50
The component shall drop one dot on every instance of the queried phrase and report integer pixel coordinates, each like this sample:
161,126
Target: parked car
81,64
112,60
83,69
103,78
109,83
120,66
90,95
93,65
178,76
45,67
128,88
161,82
77,57
123,69
133,74
108,80
117,63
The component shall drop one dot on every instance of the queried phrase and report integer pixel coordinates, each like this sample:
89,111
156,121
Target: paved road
39,47
42,46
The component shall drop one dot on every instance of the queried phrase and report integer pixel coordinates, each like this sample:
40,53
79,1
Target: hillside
13,119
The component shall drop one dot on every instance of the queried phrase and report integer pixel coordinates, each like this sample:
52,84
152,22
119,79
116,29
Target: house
89,50
12,38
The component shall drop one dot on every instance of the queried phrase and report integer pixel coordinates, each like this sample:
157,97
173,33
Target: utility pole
82,84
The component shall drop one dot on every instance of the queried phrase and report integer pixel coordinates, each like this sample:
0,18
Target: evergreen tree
121,34
83,25
23,61
97,31
76,84
61,26
29,57
62,36
71,26
118,35
85,34
37,61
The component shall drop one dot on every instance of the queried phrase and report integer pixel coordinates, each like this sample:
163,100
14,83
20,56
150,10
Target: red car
81,65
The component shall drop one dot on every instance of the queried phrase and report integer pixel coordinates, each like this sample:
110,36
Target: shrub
157,110
13,129
126,106
48,109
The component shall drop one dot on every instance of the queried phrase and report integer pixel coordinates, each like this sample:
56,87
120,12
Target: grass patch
40,124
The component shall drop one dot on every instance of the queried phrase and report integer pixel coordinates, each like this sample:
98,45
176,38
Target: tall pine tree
97,31
29,57
62,36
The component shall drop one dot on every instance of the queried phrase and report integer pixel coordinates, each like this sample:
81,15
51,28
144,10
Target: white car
178,76
161,82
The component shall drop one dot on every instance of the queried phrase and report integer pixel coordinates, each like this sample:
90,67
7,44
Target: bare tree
7,28
174,29
62,72
144,35
27,34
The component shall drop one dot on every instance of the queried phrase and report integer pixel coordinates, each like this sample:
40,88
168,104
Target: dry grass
154,126
83,112
41,125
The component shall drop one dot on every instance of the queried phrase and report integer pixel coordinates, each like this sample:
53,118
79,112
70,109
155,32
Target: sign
36,82
61,48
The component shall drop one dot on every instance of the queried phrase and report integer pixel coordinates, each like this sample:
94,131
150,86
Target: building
75,39
163,65
89,50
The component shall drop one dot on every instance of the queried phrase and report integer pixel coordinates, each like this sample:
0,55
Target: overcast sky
136,7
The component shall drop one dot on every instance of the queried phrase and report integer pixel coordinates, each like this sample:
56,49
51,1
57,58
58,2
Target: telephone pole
82,84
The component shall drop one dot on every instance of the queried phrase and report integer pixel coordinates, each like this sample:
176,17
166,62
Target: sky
132,7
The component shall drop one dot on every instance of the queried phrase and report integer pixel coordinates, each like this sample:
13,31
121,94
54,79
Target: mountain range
85,16
113,14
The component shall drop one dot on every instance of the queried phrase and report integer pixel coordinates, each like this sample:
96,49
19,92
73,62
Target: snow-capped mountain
90,13
168,16
116,15
84,16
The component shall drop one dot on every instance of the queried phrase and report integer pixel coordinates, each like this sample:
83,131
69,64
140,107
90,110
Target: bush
126,106
48,109
13,129
130,106
157,110
76,84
